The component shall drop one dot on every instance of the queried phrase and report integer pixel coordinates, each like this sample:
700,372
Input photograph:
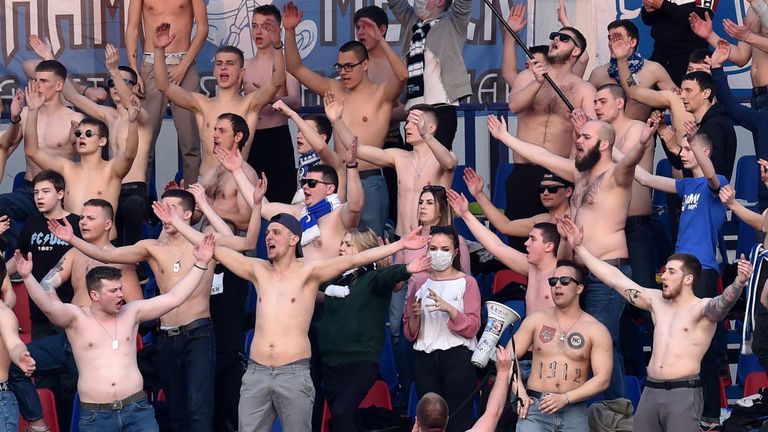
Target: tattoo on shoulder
632,294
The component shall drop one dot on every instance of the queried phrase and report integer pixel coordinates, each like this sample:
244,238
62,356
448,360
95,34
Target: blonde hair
366,238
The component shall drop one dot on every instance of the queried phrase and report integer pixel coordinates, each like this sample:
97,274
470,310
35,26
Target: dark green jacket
352,329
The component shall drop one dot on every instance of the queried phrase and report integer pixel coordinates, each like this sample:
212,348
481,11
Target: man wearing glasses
367,106
572,358
542,118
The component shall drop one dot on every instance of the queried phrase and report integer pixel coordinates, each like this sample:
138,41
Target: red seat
377,396
21,309
504,277
50,415
723,396
139,342
754,382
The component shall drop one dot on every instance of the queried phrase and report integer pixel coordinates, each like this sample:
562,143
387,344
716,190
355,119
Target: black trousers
345,386
715,355
447,123
131,209
450,374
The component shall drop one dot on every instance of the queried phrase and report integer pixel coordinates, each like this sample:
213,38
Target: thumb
743,257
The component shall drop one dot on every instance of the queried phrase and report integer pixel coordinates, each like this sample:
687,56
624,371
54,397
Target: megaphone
499,318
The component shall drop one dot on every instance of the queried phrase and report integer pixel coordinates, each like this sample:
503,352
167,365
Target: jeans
19,205
131,208
450,374
9,412
570,418
53,355
345,386
715,355
641,245
760,102
606,305
376,206
187,366
138,416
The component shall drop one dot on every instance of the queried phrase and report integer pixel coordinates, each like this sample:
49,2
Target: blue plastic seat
499,197
387,365
633,390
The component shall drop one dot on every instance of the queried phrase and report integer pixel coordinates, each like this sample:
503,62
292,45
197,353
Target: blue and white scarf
310,215
635,62
305,163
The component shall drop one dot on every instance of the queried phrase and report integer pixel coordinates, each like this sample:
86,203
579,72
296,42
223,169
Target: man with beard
602,192
684,326
543,117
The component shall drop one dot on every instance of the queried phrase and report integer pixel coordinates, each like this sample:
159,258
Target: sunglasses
563,37
449,230
433,188
551,189
347,67
111,82
312,183
564,280
88,133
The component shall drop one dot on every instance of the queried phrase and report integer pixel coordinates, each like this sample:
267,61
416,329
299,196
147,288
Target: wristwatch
351,166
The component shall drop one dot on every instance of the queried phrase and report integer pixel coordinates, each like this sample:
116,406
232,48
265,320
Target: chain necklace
563,334
115,344
177,263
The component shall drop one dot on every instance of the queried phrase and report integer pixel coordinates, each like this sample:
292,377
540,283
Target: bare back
178,13
53,134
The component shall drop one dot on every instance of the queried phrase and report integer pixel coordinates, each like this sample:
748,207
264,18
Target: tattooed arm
58,274
717,308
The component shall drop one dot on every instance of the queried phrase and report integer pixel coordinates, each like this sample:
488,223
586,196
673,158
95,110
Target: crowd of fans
337,282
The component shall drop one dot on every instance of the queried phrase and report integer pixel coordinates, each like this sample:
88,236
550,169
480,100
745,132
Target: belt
617,262
115,405
175,331
536,394
170,58
757,91
670,385
370,173
638,220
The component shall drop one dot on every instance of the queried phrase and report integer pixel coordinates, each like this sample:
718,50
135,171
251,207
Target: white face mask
441,260
420,8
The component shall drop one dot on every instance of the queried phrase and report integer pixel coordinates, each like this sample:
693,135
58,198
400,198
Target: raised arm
498,397
35,101
232,161
717,308
311,79
538,155
515,228
632,292
353,208
9,330
745,116
512,258
12,135
160,305
183,98
526,86
123,160
704,162
59,274
517,21
123,255
444,157
624,172
660,183
727,197
267,93
59,313
315,140
394,86
132,29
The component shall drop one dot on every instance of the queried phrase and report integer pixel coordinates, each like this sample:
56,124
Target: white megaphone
499,318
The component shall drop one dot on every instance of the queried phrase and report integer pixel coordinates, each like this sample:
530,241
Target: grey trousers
676,410
268,392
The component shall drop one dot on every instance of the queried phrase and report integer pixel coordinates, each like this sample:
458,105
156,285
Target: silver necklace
177,263
115,344
563,334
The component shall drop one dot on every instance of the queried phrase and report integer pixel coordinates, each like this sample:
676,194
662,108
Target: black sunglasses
563,37
564,280
551,189
347,66
433,188
111,82
88,133
447,229
312,183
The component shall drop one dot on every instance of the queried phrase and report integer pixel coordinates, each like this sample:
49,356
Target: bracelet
278,47
352,166
201,268
17,121
567,398
85,89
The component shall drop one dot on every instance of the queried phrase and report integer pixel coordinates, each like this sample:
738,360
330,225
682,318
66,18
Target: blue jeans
9,412
641,245
570,418
376,206
53,355
760,102
606,305
138,416
187,366
19,205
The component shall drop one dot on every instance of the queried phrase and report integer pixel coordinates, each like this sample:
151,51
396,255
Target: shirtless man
109,382
271,150
538,264
554,192
324,218
542,118
9,135
11,350
683,328
55,140
568,345
182,15
92,176
367,106
602,192
430,163
228,70
277,381
646,73
186,344
230,132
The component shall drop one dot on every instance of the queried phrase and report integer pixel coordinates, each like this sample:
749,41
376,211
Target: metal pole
529,54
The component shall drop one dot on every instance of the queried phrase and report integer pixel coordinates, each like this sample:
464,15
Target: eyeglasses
564,280
88,133
312,183
111,82
446,229
551,189
433,188
563,37
348,67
